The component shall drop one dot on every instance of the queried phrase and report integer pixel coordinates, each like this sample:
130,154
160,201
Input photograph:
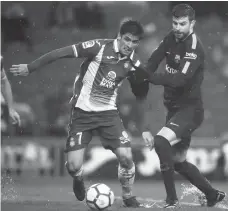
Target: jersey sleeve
157,56
139,88
137,71
87,49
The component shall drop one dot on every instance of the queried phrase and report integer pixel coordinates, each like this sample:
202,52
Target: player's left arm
187,68
81,50
25,69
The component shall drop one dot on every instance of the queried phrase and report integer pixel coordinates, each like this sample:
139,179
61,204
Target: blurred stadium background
30,29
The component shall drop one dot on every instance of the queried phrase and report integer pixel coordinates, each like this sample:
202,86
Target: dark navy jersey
184,69
102,73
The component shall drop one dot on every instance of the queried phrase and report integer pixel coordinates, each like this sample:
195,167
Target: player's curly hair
131,26
183,10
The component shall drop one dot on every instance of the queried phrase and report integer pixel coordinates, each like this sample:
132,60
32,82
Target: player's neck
121,56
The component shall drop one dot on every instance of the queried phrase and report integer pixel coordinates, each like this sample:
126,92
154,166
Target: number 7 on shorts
79,137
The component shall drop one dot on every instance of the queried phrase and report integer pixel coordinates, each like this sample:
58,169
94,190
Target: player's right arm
6,91
147,71
86,49
157,56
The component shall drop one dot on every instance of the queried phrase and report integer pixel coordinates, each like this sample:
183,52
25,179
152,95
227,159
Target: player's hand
141,74
15,117
19,70
148,139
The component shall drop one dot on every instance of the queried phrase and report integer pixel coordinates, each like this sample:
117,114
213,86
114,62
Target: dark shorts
107,124
184,122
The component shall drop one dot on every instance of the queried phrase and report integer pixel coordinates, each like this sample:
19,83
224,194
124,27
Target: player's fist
19,70
141,74
148,139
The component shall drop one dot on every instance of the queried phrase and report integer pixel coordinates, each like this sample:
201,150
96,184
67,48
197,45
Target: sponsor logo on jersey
107,83
109,80
170,70
190,56
111,75
88,44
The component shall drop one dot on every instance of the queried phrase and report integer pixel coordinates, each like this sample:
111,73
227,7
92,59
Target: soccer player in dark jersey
8,96
182,79
107,63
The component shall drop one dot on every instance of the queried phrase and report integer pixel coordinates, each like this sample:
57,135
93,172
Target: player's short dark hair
133,27
183,10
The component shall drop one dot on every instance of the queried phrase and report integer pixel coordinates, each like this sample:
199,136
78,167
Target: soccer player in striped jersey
6,92
107,63
182,80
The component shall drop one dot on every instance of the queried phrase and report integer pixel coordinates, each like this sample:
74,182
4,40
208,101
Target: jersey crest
88,44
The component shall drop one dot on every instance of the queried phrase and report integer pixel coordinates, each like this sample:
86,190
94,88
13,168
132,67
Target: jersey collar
115,46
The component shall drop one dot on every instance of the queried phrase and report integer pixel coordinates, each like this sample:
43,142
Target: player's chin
179,36
127,52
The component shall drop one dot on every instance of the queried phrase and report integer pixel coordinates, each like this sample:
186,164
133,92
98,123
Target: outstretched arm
25,69
65,52
189,64
156,57
146,72
86,49
186,70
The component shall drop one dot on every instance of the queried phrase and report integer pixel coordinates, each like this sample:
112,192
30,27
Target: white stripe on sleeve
75,51
185,68
136,64
194,41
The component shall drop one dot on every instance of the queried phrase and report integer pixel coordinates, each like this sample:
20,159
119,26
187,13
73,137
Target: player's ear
192,24
118,36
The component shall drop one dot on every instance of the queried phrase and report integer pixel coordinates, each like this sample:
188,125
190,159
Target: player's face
182,27
127,43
